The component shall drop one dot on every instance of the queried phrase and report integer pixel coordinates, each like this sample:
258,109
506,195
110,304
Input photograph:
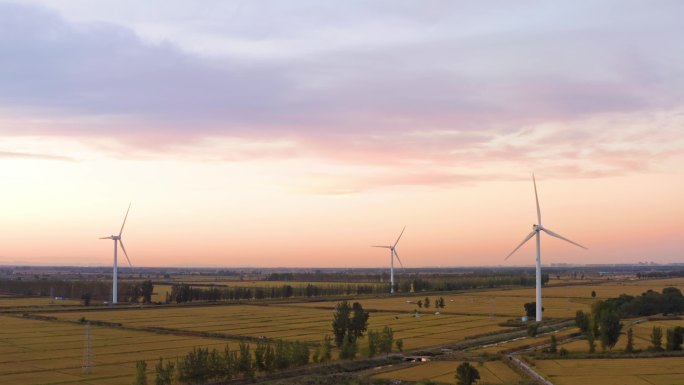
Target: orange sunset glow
246,140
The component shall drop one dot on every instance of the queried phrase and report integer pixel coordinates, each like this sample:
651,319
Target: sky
299,133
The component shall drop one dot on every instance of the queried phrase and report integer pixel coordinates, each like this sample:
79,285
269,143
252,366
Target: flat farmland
482,304
293,323
11,302
443,372
36,352
628,371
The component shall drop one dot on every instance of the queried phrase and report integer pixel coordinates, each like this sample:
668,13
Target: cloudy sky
297,133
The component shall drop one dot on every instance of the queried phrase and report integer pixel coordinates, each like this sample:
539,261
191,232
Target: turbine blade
106,237
384,247
124,222
536,198
551,233
527,238
400,234
125,253
398,259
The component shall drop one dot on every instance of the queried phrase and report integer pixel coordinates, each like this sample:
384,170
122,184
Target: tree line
128,291
603,322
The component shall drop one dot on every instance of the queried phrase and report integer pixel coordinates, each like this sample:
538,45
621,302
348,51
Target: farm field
628,371
293,323
10,302
36,352
443,372
483,303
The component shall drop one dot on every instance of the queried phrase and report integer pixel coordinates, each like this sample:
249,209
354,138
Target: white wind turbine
117,242
393,253
536,230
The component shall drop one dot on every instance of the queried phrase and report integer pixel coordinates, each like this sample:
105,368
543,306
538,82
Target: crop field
36,352
628,371
293,323
483,304
443,372
642,332
11,302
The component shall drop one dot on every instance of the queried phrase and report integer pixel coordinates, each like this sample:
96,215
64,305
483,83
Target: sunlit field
12,302
491,372
636,371
41,352
294,323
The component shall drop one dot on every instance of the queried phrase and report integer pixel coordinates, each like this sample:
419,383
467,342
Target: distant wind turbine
117,241
536,230
393,253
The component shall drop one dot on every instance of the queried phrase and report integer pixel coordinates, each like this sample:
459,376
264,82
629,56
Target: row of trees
465,282
439,303
187,293
132,291
669,301
674,339
201,365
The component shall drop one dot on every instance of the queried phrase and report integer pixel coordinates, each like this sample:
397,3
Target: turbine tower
393,253
117,241
536,231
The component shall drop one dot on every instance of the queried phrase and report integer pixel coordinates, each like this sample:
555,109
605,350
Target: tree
244,363
341,321
609,329
140,373
630,341
163,372
593,294
269,358
359,321
675,338
146,290
419,303
531,309
326,349
193,367
386,340
426,304
466,374
348,348
259,356
373,338
553,345
591,339
86,297
657,339
582,321
400,345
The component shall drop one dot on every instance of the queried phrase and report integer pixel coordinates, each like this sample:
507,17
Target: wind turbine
117,242
536,231
393,253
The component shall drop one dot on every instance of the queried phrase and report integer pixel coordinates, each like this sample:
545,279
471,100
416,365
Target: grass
21,302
